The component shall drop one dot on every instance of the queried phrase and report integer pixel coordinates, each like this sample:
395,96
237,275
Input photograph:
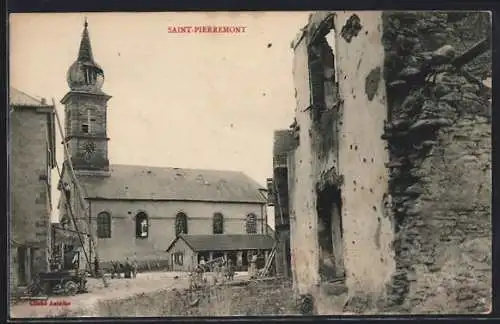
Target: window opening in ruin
251,224
316,77
141,225
322,76
104,225
181,224
218,223
330,234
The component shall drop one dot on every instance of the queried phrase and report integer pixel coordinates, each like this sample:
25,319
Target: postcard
250,163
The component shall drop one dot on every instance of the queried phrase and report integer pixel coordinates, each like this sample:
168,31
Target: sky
197,100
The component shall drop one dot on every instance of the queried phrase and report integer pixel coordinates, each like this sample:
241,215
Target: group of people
223,269
128,268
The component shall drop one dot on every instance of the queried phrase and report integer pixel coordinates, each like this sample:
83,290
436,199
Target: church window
181,224
142,225
218,223
104,225
251,224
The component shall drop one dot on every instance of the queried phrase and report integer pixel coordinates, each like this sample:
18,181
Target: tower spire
85,52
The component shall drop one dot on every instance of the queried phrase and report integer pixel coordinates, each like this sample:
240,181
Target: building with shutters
32,158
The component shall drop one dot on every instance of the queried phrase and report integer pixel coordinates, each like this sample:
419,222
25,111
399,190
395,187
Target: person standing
252,271
202,263
127,269
230,270
75,261
134,268
96,266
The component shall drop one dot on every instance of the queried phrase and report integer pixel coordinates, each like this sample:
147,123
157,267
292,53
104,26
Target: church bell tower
86,112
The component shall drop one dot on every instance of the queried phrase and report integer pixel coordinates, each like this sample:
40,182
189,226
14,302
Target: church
135,211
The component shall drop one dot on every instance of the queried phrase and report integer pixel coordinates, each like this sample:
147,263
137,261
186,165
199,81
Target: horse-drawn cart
64,282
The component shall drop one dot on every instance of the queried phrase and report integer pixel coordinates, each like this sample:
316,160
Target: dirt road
119,288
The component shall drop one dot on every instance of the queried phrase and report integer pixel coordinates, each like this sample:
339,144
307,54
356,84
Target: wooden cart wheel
71,288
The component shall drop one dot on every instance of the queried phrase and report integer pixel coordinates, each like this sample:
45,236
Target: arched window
251,224
181,224
141,225
103,225
218,223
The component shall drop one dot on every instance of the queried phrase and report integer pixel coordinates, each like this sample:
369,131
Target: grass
255,299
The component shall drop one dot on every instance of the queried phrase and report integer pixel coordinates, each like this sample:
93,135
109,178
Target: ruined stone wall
440,171
303,216
367,228
343,140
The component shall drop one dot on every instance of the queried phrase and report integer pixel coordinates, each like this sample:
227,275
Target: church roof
226,242
21,99
135,182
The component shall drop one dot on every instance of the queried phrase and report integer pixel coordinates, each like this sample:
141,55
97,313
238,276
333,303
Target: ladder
273,251
269,261
81,198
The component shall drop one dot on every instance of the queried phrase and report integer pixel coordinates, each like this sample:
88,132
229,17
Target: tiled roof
163,183
19,98
283,141
226,242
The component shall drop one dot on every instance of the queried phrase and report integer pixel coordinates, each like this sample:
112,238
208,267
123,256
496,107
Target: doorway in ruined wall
330,234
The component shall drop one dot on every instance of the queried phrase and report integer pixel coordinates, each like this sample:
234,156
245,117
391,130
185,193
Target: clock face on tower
89,150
